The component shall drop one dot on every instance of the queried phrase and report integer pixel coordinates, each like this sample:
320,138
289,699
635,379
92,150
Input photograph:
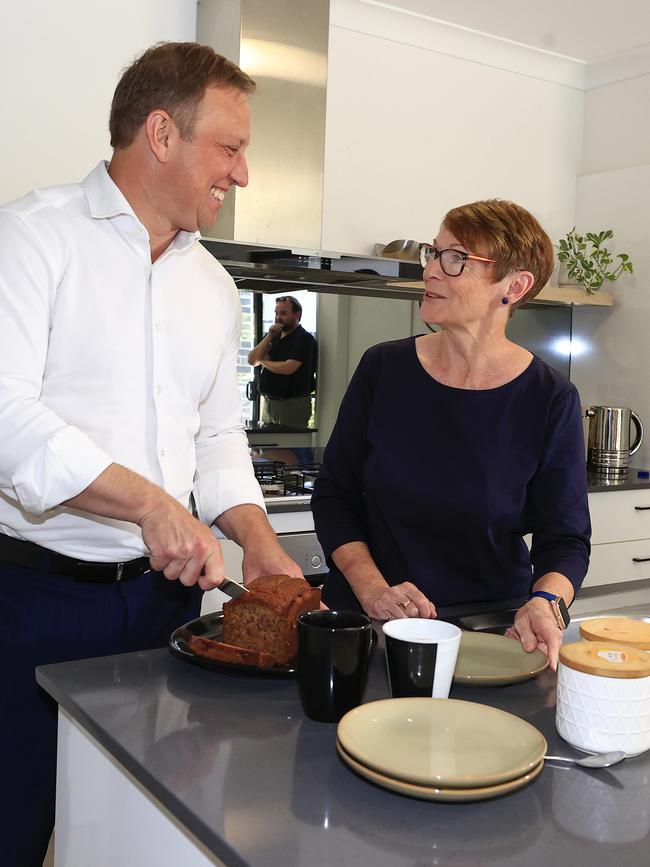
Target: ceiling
585,30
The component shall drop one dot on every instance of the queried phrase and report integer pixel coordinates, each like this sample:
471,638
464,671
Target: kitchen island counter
232,765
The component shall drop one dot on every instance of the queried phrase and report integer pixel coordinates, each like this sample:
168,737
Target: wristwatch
558,606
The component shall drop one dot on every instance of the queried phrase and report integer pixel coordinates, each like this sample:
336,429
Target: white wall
59,64
421,118
617,125
413,129
614,192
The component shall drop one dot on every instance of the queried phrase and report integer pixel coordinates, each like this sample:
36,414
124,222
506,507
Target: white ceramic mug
421,656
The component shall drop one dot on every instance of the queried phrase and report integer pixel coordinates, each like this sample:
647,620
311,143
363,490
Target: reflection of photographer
287,355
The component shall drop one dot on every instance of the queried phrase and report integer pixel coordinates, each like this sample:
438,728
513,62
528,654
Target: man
118,403
287,355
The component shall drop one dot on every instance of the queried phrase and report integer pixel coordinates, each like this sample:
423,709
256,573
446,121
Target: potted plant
588,262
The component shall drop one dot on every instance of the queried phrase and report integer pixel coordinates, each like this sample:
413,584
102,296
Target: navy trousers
45,618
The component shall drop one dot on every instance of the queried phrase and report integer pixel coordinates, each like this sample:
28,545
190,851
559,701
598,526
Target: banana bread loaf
221,652
265,618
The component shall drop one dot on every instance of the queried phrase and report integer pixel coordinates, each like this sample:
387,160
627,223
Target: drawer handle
642,508
640,559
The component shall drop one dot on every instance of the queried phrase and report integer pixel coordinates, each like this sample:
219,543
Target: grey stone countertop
235,761
636,478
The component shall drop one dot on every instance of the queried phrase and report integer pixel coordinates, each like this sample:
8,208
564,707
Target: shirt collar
104,196
106,200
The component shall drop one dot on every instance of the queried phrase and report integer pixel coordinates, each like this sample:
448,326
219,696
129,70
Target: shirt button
162,453
159,389
158,326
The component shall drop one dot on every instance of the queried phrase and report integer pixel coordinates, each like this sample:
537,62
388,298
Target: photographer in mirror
287,356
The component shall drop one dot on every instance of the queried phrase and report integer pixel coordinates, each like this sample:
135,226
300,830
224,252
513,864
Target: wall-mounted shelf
565,296
575,296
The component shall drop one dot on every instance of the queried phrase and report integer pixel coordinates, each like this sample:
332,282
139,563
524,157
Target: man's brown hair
172,76
508,233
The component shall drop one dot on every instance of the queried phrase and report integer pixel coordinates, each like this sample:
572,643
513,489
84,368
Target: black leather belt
32,556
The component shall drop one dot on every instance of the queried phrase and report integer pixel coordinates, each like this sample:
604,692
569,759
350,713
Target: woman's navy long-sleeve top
443,483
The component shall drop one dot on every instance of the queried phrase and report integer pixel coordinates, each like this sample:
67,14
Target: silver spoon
599,760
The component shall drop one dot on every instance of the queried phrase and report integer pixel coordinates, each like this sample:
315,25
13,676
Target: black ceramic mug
333,653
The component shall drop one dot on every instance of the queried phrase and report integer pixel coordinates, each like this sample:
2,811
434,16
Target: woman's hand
535,626
401,600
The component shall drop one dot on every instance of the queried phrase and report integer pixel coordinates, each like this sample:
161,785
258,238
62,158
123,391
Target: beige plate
485,659
441,741
430,793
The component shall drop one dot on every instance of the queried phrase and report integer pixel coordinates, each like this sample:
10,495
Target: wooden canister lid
622,630
605,659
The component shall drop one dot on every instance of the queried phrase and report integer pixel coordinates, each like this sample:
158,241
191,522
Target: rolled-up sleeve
224,473
43,460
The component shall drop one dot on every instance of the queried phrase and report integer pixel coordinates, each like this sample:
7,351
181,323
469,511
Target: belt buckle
119,569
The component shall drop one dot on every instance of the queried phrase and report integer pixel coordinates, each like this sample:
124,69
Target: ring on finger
405,604
389,616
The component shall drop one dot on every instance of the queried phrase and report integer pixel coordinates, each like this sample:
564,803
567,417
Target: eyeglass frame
291,300
427,249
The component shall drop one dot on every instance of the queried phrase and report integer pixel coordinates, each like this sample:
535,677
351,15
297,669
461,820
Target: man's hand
268,560
179,545
260,352
249,527
182,547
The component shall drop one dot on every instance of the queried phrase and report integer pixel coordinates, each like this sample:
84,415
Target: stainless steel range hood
263,268
269,235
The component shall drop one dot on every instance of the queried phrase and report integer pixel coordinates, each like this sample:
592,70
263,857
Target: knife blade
232,588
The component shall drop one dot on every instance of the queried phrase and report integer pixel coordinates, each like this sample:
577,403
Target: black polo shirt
299,345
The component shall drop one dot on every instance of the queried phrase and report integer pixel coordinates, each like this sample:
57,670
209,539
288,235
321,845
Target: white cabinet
620,537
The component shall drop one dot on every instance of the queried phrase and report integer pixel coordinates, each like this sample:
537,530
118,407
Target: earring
504,300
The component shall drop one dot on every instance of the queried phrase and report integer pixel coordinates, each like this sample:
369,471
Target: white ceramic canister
603,697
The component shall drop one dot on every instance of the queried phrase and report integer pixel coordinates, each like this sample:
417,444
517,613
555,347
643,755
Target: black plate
211,626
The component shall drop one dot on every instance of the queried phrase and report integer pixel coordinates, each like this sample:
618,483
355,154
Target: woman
452,446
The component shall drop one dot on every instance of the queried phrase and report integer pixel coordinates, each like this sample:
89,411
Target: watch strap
550,597
558,605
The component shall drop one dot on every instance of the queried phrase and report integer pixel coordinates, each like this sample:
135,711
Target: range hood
264,268
269,235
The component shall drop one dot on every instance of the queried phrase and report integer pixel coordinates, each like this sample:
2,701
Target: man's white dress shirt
106,357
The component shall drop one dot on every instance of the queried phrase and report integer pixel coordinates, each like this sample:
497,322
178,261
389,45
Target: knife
232,588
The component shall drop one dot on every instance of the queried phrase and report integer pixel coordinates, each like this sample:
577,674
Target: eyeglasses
296,306
452,261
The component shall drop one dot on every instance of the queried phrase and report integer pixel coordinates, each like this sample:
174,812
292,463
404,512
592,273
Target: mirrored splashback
344,327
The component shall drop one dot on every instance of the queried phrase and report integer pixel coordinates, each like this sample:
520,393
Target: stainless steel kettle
608,444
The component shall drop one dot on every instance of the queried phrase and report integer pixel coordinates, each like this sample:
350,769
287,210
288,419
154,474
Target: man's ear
159,130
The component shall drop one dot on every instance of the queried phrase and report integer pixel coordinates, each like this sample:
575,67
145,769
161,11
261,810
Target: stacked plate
440,749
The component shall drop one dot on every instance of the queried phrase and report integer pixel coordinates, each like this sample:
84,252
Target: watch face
563,611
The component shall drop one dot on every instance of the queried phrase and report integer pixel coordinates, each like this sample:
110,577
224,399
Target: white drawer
618,516
615,562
